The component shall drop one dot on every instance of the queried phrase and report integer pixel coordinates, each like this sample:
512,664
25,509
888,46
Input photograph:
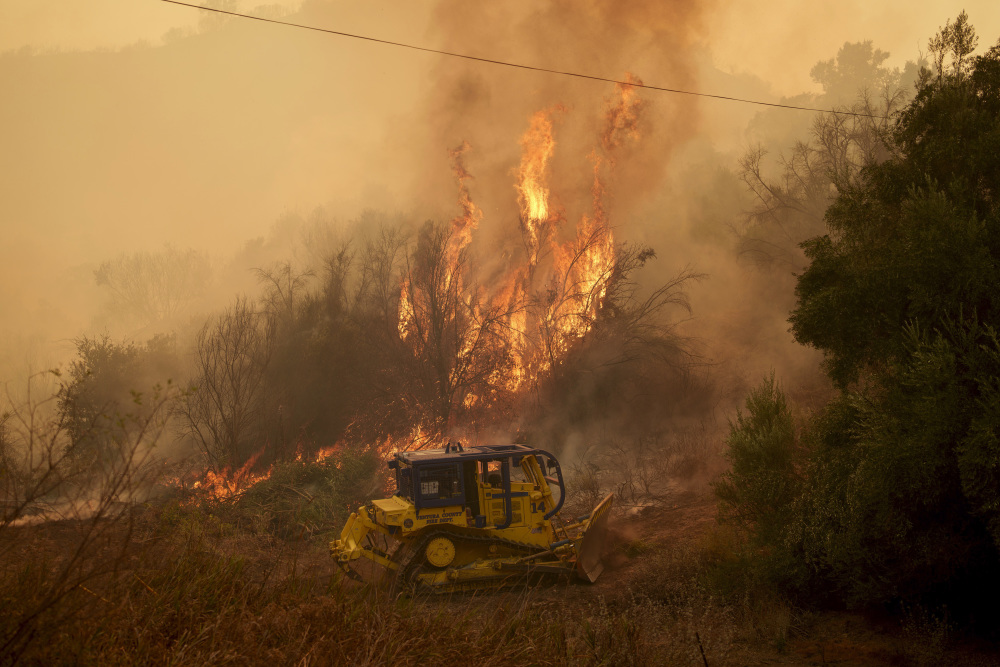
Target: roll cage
447,476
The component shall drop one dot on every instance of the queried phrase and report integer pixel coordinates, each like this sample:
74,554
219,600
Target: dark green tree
900,481
915,239
758,491
903,297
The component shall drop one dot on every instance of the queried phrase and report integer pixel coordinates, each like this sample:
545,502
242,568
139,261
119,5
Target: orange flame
462,225
225,484
407,317
537,147
543,319
587,261
548,308
622,119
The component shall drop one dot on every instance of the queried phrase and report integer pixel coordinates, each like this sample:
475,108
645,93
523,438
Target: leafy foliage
884,515
758,490
900,481
916,239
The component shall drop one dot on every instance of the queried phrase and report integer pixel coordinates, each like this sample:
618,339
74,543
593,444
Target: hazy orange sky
776,41
127,124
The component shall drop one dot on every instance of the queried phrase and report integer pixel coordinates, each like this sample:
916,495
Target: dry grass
196,592
193,589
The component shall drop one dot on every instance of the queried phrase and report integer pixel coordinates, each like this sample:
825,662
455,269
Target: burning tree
478,346
457,336
409,341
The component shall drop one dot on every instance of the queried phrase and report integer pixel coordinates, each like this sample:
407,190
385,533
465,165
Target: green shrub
757,492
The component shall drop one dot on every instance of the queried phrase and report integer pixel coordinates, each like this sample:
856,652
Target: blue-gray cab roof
455,454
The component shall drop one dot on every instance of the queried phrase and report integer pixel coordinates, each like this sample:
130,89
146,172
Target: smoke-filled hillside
247,263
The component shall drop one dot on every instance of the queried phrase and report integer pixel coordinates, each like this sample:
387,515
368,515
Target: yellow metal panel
394,504
349,546
453,515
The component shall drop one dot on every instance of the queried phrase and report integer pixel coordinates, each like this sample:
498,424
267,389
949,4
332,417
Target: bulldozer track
412,562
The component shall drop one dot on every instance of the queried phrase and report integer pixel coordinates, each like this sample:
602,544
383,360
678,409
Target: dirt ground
823,638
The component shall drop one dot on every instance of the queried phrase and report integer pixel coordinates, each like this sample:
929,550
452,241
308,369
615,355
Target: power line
532,68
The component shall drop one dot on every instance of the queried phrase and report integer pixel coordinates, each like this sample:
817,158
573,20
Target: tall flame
465,224
537,147
583,265
462,228
544,319
547,307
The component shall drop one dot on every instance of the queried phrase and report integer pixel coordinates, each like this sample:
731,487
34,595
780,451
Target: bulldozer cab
476,478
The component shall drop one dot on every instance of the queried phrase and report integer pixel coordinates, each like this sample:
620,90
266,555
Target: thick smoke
665,189
490,107
203,139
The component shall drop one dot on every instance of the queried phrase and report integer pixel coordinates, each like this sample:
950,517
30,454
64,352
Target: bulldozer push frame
466,519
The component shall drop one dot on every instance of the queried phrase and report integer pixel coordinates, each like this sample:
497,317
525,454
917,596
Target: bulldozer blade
588,557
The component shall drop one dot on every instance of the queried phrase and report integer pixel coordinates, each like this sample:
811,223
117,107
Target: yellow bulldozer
473,518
